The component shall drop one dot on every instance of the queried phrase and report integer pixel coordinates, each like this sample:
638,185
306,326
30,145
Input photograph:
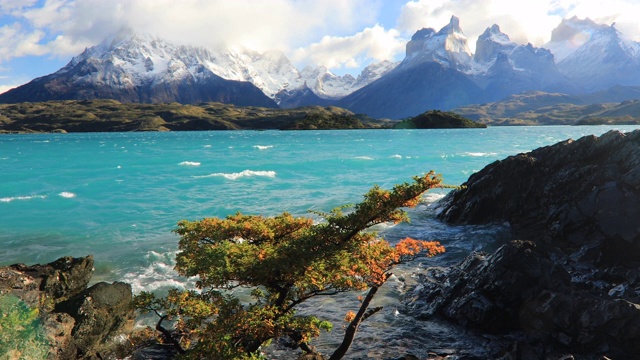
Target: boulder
73,321
101,313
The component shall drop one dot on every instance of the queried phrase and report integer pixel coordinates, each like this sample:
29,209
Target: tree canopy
285,261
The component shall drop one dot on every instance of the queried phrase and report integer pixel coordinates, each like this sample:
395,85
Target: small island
436,119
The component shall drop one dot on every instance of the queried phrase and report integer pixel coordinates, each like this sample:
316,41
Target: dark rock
487,292
101,312
77,323
520,289
574,288
571,193
47,284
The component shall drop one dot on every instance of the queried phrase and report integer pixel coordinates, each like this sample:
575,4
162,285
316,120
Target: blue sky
37,37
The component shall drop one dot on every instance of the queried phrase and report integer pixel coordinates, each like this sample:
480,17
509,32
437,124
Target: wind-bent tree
285,261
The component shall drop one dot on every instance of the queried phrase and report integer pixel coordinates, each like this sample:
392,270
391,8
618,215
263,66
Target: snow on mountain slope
594,55
447,47
143,58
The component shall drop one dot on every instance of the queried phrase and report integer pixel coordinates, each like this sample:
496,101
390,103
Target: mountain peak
447,46
491,42
452,28
579,30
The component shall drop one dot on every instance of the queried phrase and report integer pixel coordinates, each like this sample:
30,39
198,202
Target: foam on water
67,195
263,147
21,198
480,154
363,158
189,163
238,175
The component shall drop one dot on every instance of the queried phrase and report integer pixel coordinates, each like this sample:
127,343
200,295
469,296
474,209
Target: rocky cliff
573,285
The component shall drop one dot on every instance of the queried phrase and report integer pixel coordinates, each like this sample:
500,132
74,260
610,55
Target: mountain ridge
438,72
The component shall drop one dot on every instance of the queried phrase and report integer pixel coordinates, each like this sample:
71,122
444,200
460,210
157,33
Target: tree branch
166,335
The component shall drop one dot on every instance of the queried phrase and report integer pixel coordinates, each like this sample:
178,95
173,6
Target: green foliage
285,261
21,333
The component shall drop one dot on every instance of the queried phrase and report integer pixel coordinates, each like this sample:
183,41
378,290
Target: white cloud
257,24
523,20
13,6
329,32
374,43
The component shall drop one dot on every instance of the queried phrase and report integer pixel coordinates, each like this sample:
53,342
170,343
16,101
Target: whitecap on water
14,198
396,156
238,175
158,274
67,195
262,147
363,158
479,154
189,163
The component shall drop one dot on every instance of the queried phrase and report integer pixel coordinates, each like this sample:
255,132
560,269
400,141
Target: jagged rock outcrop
75,322
572,193
575,286
521,289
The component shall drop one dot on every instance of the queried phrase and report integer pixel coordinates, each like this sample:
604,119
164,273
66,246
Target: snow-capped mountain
447,47
595,56
440,72
140,68
134,67
503,67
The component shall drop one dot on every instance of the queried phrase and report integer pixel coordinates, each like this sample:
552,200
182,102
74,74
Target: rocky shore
50,309
568,285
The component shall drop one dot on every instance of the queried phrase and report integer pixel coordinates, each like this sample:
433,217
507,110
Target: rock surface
570,193
574,285
76,321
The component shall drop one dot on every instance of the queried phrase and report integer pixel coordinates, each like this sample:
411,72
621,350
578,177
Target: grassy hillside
538,108
111,115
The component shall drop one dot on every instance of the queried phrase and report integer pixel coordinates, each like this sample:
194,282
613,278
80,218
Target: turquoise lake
119,195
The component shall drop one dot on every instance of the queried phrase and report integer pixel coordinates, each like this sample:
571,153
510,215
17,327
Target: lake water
119,195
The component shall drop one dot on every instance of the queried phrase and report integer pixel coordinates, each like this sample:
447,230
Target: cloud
523,20
373,43
328,32
258,24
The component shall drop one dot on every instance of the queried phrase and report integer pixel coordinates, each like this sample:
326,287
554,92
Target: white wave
207,146
432,197
67,195
189,163
14,198
262,147
238,175
363,158
396,156
158,274
480,154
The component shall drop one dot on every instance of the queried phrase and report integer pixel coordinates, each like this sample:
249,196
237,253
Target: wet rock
487,292
520,290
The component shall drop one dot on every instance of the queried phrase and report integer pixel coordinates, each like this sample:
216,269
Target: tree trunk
350,332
